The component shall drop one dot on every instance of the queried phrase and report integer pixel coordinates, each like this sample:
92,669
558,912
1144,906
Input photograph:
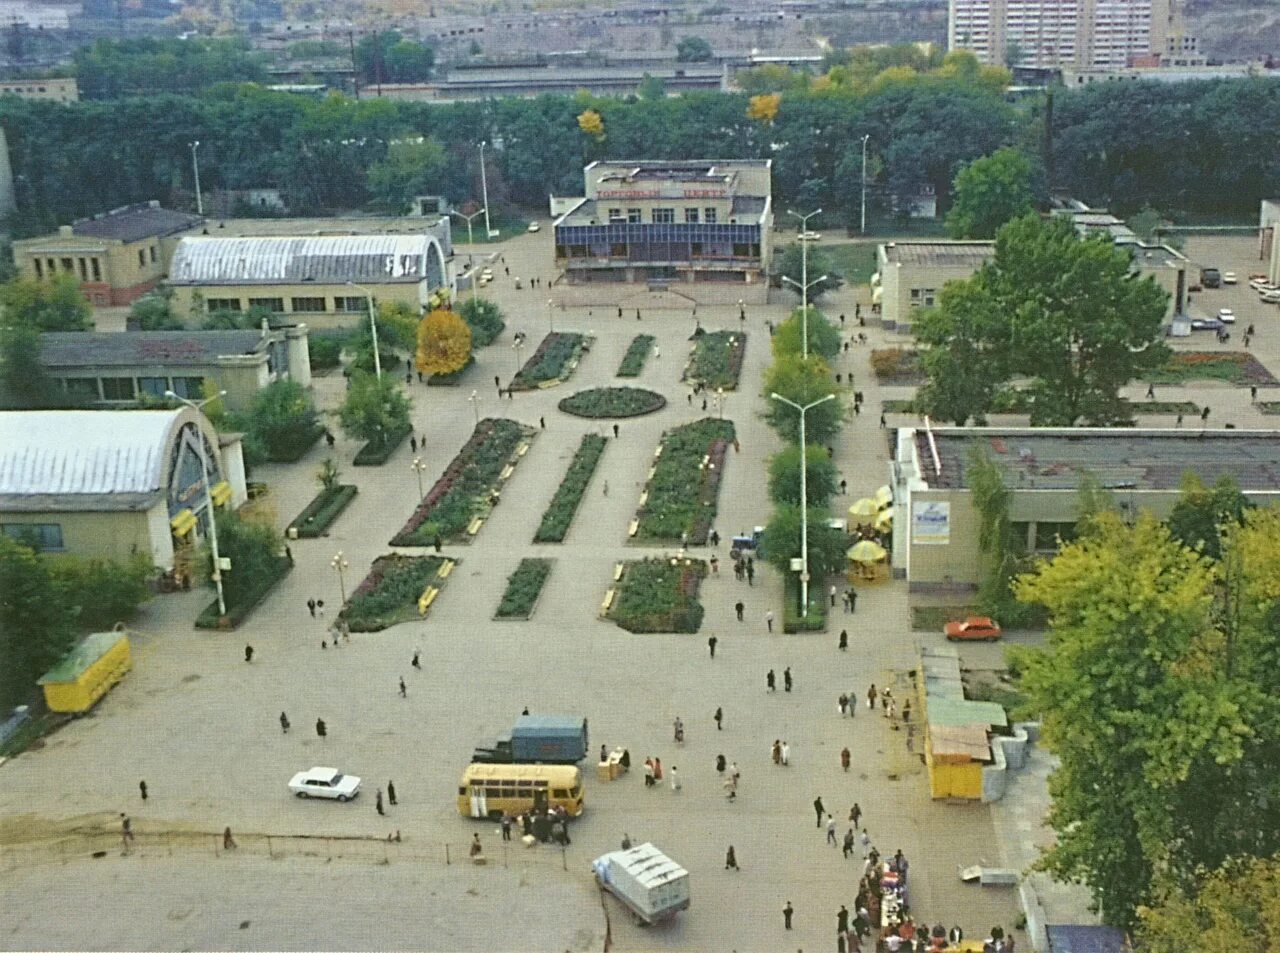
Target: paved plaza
200,725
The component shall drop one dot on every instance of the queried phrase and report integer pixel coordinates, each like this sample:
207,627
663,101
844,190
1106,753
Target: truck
645,880
538,739
1210,278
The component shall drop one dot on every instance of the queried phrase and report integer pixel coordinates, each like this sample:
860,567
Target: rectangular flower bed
524,586
659,595
897,365
637,353
469,487
559,515
321,512
553,362
681,495
395,591
716,360
375,454
238,608
1235,367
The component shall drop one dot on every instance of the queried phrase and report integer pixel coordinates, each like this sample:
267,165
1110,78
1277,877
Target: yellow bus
492,790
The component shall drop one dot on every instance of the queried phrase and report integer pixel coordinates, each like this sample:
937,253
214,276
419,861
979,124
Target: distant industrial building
686,222
523,81
1165,73
63,89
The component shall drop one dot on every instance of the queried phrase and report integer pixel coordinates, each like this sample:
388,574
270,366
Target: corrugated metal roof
324,259
962,712
87,651
55,452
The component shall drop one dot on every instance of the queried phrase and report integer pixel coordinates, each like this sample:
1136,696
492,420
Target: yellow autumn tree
444,343
764,108
592,124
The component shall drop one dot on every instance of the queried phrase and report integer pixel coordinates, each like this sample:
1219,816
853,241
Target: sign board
930,523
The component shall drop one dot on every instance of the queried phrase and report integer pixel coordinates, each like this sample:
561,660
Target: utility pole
484,191
863,229
355,70
195,165
804,497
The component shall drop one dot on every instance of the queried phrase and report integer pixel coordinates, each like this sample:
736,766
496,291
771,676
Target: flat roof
582,214
132,223
940,254
1046,458
67,349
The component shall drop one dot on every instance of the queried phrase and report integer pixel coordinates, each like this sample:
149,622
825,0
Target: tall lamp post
474,400
195,166
805,283
208,494
720,402
484,191
804,497
373,327
470,245
804,310
339,562
863,228
517,346
551,315
417,467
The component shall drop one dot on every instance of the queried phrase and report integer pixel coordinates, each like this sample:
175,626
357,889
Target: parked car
975,627
1226,316
534,227
325,782
1206,324
1263,287
1271,297
1228,277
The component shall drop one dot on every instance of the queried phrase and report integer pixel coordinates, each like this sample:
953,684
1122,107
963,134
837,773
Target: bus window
559,792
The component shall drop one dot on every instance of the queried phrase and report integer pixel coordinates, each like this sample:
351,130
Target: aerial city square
694,477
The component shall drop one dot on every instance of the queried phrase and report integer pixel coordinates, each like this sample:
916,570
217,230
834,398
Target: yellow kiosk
87,672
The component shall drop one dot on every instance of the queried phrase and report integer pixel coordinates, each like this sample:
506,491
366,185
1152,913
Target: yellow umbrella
884,496
864,510
884,520
866,551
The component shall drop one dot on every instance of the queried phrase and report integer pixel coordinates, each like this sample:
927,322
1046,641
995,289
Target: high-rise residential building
1067,33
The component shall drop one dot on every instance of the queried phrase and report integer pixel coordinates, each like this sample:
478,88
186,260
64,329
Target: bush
560,512
377,452
322,511
681,496
378,412
325,351
451,380
717,359
102,591
280,423
484,318
792,621
896,365
554,360
390,593
246,596
637,353
523,588
659,595
612,402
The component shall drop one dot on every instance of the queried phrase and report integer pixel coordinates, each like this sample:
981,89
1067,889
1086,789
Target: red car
974,627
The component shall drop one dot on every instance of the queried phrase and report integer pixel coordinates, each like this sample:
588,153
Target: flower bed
896,365
392,591
469,487
716,360
560,512
792,621
659,595
553,362
681,495
238,611
637,353
523,588
322,511
612,402
374,454
1234,367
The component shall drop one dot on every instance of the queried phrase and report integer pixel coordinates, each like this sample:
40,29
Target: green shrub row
600,402
792,621
293,448
717,358
242,601
325,351
637,354
523,588
659,595
683,492
559,515
390,593
375,454
552,361
321,512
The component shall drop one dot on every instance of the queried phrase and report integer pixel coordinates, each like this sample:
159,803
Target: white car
534,227
1226,316
1271,297
325,782
1229,278
1263,287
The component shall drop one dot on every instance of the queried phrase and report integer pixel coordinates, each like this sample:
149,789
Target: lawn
854,262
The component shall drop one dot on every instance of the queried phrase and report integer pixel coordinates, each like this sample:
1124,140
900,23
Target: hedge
294,449
560,512
612,402
637,353
681,496
816,620
659,595
371,455
523,588
238,611
321,512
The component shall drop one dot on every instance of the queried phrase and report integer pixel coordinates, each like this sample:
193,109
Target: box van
1211,277
492,790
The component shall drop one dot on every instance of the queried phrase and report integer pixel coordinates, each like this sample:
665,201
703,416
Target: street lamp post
339,562
720,402
373,328
804,311
863,207
474,399
470,245
484,191
417,467
517,346
805,283
551,315
208,494
195,166
804,498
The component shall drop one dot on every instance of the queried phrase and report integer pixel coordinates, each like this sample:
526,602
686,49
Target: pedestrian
288,555
845,758
853,600
786,754
883,423
715,565
768,621
437,543
776,751
657,769
476,849
751,571
714,538
616,430
391,793
720,762
770,681
228,842
739,608
606,488
871,696
719,716
1151,392
497,382
1178,422
832,593
855,814
843,646
320,608
711,645
1204,414
842,920
311,607
248,653
675,780
413,443
648,772
865,839
819,809
284,723
404,692
689,398
329,439
542,422
142,789
842,317
787,913
619,311
842,703
1253,393
847,845
637,314
739,569
831,831
786,677
506,827
321,729
378,804
844,487
731,789
126,831
417,660
906,712
731,859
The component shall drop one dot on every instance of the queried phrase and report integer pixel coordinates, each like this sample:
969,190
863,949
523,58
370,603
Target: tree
398,325
591,124
254,550
54,305
693,49
1234,908
386,57
375,410
763,108
412,167
824,337
225,319
444,343
991,191
803,382
25,384
35,623
153,312
781,541
1201,515
282,420
484,318
102,592
1013,53
784,476
651,87
792,266
1065,312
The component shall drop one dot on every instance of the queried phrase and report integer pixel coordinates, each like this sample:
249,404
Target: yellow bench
445,568
428,596
475,526
608,601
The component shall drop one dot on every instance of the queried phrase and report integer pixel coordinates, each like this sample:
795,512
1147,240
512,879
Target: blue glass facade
675,242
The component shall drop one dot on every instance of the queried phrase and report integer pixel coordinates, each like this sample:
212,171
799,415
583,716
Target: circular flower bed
613,402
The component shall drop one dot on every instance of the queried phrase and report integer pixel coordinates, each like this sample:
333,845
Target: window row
663,216
42,537
308,305
124,389
82,266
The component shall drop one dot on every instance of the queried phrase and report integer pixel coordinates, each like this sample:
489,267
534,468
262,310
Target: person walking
770,681
843,704
417,660
675,780
126,831
847,846
843,645
855,814
786,679
715,565
413,441
845,758
711,645
719,716
142,789
616,431
657,770
842,919
284,723
542,422
786,754
311,607
776,751
818,809
714,538
739,608
768,621
378,804
751,571
787,912
853,600
832,593
648,772
831,831
871,696
506,827
228,842
321,729
391,793
248,653
404,691
731,860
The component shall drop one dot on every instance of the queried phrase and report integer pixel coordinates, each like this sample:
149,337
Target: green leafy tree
991,191
651,87
693,49
784,476
225,319
484,318
154,312
824,337
803,382
792,267
25,384
375,410
966,350
55,305
102,592
282,418
35,622
111,69
386,57
1201,515
398,325
412,167
1234,908
826,544
254,550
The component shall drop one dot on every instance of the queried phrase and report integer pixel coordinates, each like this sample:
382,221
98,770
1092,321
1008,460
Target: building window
308,304
42,537
349,305
142,258
1050,535
97,269
691,216
222,304
82,388
709,216
53,267
152,251
274,305
191,388
664,216
153,386
68,265
633,216
615,216
39,268
618,250
118,388
84,269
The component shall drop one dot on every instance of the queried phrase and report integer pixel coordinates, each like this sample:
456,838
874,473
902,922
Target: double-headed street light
208,493
804,309
373,327
720,402
517,346
417,467
804,497
474,400
470,245
339,562
551,315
